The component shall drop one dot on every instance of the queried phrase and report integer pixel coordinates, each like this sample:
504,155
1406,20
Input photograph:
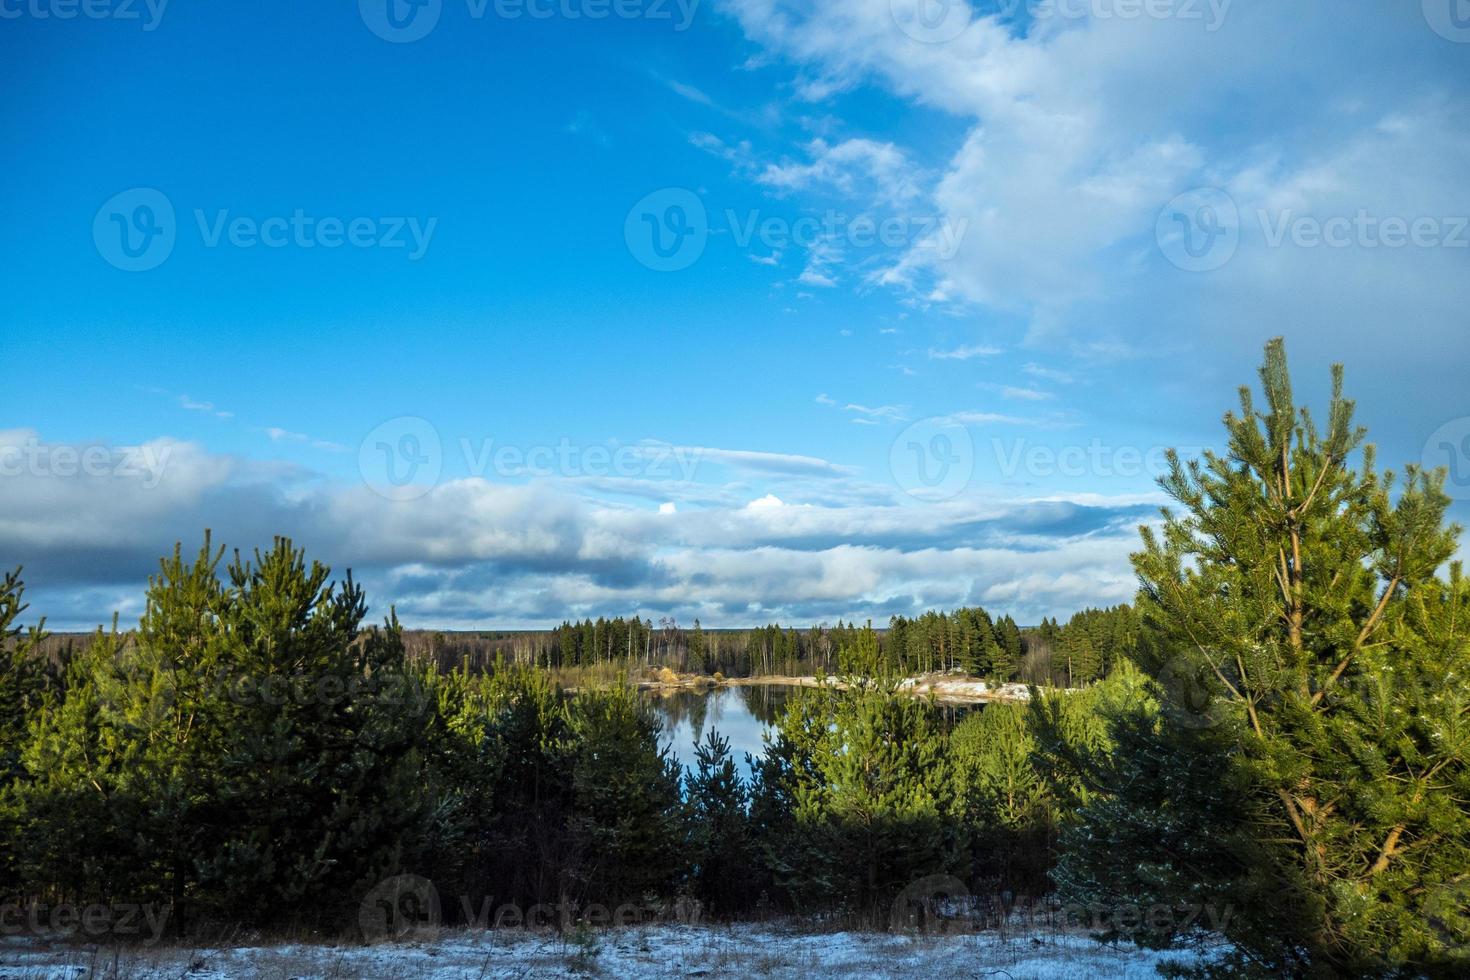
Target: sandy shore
946,688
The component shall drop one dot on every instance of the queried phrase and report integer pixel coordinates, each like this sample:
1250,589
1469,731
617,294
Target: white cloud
1048,374
472,552
1020,394
1074,133
854,166
886,413
964,353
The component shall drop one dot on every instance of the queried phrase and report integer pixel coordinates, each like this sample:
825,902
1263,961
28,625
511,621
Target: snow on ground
634,952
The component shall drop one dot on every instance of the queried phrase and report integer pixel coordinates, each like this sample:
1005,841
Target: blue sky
932,314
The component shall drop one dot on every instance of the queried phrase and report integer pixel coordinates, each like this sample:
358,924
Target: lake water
741,714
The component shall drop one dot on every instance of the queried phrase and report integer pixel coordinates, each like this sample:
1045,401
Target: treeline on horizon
1277,753
968,640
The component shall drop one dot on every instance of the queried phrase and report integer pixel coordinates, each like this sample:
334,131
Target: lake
741,714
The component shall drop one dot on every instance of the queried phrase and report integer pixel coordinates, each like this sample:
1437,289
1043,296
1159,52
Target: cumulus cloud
472,552
1075,132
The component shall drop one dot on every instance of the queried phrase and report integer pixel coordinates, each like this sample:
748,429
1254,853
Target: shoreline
944,688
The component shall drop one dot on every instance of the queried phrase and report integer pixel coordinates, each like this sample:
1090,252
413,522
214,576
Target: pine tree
1006,659
24,683
1003,798
1307,764
254,754
854,799
23,674
627,826
697,659
724,860
863,658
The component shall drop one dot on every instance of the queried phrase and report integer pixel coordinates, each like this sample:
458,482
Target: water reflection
741,714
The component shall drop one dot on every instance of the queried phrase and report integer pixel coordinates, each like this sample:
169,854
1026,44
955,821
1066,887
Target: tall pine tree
1308,757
